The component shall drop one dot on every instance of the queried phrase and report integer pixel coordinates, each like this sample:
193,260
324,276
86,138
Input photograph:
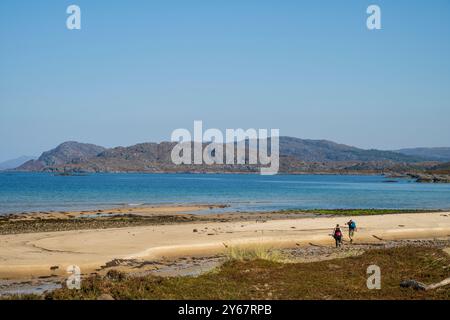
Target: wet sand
31,255
137,211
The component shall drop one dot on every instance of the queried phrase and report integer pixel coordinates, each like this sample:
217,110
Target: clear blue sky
139,69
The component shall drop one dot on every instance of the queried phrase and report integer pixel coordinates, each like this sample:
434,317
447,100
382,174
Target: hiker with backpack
337,235
351,229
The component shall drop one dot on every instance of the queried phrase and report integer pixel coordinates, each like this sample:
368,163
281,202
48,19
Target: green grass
264,279
353,212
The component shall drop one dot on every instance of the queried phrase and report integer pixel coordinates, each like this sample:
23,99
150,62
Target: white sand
31,255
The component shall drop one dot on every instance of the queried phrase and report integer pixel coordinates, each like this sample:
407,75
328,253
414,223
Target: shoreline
47,253
413,175
126,216
139,210
110,209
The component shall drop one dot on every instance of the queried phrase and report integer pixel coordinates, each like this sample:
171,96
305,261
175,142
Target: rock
430,178
115,275
105,296
195,230
413,284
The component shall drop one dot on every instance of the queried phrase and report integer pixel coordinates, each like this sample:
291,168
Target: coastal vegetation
258,252
11,226
266,279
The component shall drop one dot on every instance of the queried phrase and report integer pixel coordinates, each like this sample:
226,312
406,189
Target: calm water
43,192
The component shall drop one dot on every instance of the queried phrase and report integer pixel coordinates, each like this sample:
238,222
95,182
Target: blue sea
25,192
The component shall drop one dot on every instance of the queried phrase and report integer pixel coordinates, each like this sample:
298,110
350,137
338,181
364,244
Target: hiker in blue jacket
351,229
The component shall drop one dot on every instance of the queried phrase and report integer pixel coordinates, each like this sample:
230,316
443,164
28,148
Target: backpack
353,225
338,233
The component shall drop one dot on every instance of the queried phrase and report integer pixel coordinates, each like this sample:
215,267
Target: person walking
337,235
351,229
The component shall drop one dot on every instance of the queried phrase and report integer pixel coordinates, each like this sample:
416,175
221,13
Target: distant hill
14,163
434,154
328,151
70,152
296,155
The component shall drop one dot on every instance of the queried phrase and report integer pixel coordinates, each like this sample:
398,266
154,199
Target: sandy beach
43,254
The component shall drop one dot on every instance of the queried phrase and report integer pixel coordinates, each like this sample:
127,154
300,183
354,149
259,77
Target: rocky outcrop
66,153
430,178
